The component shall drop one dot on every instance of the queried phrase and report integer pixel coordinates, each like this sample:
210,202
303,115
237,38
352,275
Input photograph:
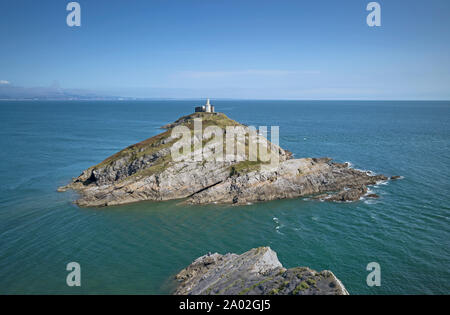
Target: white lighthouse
207,108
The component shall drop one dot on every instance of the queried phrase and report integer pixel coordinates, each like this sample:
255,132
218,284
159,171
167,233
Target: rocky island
146,171
256,272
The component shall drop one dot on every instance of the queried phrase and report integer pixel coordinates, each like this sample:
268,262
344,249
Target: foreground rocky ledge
145,171
256,272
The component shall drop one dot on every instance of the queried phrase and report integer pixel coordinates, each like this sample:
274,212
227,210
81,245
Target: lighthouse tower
208,106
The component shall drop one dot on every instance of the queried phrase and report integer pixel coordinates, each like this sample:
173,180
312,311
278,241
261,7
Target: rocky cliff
146,171
256,272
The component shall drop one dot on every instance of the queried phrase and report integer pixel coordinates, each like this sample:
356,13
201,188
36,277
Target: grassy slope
154,144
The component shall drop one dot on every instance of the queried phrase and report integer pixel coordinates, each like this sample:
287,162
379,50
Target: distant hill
11,92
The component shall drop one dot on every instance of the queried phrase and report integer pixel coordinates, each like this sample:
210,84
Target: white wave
368,172
278,228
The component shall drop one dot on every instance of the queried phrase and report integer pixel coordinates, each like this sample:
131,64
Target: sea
138,248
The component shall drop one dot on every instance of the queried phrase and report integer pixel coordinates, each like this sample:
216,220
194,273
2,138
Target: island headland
147,171
256,272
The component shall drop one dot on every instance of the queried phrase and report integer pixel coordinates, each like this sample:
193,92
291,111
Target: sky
265,49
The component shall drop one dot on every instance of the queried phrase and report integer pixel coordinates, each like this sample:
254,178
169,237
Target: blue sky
265,49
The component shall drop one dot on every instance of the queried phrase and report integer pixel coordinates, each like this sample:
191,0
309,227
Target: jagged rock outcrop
146,171
291,179
256,272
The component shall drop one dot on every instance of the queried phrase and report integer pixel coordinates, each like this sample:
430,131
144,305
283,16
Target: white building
207,108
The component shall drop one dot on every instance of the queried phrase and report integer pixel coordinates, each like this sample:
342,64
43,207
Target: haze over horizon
229,49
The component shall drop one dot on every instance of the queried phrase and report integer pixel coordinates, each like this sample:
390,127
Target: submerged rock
256,272
146,171
351,194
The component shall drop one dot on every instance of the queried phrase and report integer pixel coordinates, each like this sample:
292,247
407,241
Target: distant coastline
112,98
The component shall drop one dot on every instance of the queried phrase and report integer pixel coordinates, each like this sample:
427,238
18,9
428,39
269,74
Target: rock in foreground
256,272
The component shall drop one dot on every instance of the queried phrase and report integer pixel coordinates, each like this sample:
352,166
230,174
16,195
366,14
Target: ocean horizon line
123,99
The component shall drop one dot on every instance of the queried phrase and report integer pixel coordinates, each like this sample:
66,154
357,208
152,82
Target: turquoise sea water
137,248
